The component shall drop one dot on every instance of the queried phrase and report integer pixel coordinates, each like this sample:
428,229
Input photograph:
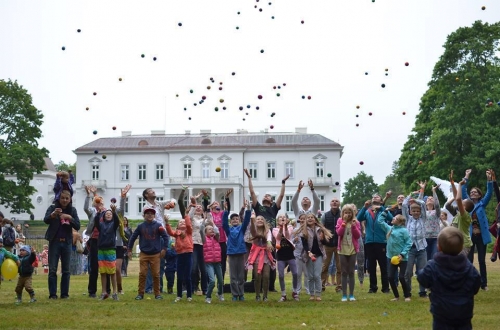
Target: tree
459,119
20,156
358,189
393,184
62,166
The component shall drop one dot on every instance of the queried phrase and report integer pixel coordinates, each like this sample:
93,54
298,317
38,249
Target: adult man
375,241
306,202
269,210
398,208
329,220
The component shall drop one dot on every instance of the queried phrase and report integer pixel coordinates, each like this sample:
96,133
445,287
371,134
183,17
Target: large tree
359,189
62,166
393,184
20,156
458,126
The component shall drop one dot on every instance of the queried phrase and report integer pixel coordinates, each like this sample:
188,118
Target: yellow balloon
395,260
9,269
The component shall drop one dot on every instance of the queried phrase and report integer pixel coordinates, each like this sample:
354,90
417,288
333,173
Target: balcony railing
201,180
326,181
99,184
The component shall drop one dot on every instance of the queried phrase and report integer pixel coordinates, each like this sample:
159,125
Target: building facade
165,162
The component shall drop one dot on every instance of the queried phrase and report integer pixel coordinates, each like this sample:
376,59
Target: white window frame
205,170
94,174
290,169
141,202
143,176
320,169
253,170
159,172
224,170
272,169
125,206
187,169
288,203
321,202
124,170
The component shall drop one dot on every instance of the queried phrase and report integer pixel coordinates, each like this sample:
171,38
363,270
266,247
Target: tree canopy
62,166
393,184
358,189
20,155
458,125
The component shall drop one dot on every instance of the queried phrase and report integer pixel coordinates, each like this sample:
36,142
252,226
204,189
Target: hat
234,215
26,248
148,209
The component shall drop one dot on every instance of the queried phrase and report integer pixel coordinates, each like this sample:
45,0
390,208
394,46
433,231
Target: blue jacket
149,240
453,282
235,235
374,233
26,266
479,209
59,186
107,230
399,242
171,260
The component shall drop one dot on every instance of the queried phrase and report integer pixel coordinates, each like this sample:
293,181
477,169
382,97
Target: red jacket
211,250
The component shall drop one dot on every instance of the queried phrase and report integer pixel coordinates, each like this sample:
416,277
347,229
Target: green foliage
62,166
393,184
20,155
358,189
455,128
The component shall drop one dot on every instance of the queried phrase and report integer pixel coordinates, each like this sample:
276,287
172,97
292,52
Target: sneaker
177,299
423,295
257,298
264,299
493,258
64,297
170,291
485,288
312,298
338,288
158,297
386,291
235,298
295,296
33,299
115,296
208,300
351,298
241,298
408,299
92,295
372,291
121,292
189,299
282,299
397,299
104,296
139,297
53,297
318,298
19,300
344,298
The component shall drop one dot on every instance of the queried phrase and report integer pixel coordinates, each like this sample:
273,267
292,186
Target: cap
148,209
26,248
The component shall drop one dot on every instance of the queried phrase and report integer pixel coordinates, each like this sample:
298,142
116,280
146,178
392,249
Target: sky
320,48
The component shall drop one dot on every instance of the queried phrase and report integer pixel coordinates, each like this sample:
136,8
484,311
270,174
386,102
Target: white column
237,199
213,197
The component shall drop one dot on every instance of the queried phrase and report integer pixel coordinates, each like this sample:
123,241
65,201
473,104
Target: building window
159,171
288,203
159,199
142,172
289,169
321,202
252,169
320,167
187,171
224,170
271,170
126,206
205,170
124,172
140,205
95,172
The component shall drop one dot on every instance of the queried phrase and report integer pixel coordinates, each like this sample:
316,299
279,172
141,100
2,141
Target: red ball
361,163
404,113
309,97
114,128
203,97
95,93
259,97
357,125
369,113
406,63
302,22
271,127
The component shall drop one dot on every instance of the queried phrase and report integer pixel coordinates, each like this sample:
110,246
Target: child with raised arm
284,255
462,220
25,269
299,261
64,181
212,255
433,213
453,282
6,254
236,249
398,246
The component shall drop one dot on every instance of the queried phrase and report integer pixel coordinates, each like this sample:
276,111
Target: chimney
205,131
158,132
301,130
126,133
188,132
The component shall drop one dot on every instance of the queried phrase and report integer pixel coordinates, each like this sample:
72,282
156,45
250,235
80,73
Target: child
462,220
313,233
45,259
284,255
26,259
64,181
170,267
6,254
106,253
261,258
453,281
149,233
301,265
236,250
349,232
443,221
433,213
398,245
35,263
212,257
184,248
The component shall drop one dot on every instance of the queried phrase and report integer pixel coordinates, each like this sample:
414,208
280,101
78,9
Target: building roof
49,165
206,139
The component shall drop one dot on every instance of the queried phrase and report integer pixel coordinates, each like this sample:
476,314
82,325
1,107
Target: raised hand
451,176
310,184
422,184
87,189
93,189
247,173
204,192
388,194
286,177
435,187
228,192
125,190
493,176
488,175
301,185
368,203
113,207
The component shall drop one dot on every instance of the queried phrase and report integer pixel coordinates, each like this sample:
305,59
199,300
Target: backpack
8,236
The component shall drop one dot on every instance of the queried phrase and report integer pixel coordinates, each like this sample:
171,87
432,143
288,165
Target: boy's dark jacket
26,266
453,282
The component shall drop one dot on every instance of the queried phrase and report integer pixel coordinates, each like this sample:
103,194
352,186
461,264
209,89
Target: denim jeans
184,263
396,276
419,258
431,247
199,269
149,277
477,243
314,274
213,270
59,250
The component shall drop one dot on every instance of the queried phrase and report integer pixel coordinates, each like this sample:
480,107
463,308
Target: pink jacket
211,250
217,219
355,230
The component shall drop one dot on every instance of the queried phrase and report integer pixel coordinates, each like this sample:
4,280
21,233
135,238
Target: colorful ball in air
114,128
303,97
386,69
257,108
180,24
420,162
337,183
483,7
241,108
366,73
309,97
383,85
95,93
262,51
95,132
369,113
216,109
329,175
154,58
87,108
203,97
120,79
191,91
9,269
301,22
357,107
395,260
104,156
361,163
221,100
334,190
271,127
404,113
220,88
259,97
237,28
96,151
78,30
406,63
142,55
234,73
63,48
457,79
189,118
223,108
217,169
357,125
278,94
248,106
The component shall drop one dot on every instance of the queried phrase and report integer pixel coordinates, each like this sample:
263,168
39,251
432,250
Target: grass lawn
370,311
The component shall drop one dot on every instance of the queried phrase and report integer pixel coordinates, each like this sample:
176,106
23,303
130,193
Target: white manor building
164,162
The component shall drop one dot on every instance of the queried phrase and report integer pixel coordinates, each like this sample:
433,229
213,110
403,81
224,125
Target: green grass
370,311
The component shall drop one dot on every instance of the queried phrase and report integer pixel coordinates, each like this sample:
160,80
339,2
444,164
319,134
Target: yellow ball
217,169
9,269
395,260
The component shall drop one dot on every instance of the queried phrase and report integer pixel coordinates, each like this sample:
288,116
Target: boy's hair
64,174
414,205
451,241
468,205
233,215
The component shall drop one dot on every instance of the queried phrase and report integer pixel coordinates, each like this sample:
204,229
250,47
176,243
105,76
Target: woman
20,239
128,232
75,265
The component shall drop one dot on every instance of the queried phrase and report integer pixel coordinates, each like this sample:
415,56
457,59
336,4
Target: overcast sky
326,58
